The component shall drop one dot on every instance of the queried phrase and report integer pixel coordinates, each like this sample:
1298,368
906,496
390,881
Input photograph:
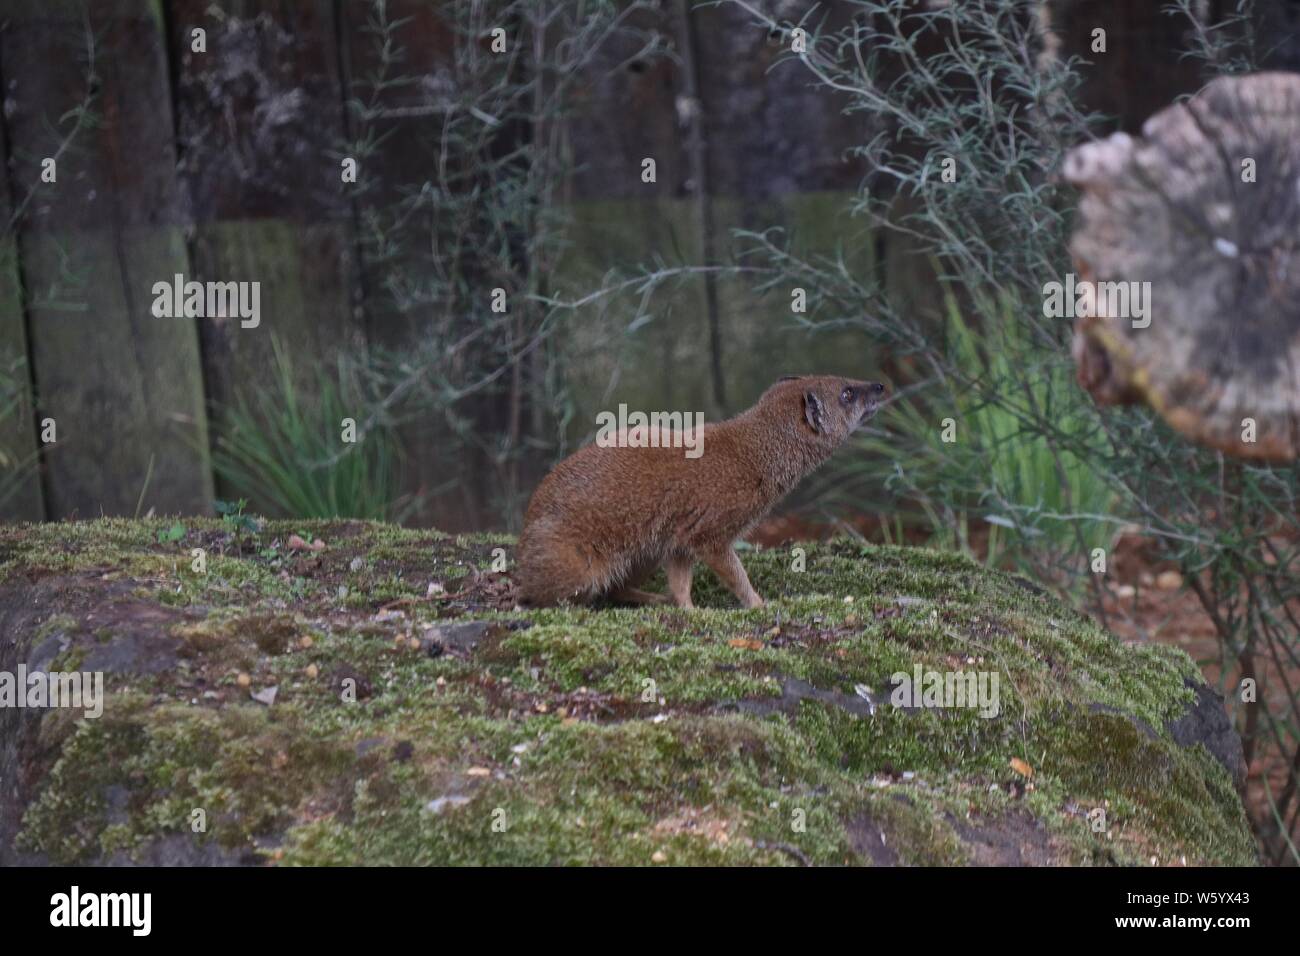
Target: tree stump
1205,207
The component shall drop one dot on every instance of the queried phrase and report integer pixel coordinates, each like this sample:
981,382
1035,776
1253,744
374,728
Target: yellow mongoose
608,516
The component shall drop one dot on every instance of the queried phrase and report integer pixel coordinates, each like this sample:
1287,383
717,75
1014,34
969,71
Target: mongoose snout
608,516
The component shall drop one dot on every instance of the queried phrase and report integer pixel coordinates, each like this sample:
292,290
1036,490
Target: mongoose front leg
679,579
726,565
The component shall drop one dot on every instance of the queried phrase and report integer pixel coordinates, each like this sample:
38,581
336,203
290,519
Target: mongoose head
827,408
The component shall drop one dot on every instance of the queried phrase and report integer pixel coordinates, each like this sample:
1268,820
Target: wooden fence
222,165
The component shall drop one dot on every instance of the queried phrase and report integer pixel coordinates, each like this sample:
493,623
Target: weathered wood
772,129
778,158
259,120
403,122
623,224
123,386
1176,209
615,87
664,363
20,481
764,335
659,363
1145,64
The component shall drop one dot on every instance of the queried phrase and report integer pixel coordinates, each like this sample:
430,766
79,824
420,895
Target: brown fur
606,518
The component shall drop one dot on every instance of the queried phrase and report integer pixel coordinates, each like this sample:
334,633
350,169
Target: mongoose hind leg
630,595
726,565
627,591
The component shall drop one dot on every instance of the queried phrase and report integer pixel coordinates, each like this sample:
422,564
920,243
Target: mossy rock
418,717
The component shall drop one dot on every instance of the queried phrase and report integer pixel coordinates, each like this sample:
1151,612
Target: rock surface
420,718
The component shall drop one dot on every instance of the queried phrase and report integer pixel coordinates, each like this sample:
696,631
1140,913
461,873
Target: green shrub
1040,497
281,446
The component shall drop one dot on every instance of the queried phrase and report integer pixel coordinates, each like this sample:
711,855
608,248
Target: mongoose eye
846,396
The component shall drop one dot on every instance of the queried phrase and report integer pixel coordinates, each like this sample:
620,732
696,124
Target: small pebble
1169,581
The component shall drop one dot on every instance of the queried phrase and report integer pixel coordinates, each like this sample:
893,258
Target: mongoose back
608,516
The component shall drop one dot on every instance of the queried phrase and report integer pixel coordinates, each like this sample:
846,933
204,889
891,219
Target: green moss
617,736
1178,799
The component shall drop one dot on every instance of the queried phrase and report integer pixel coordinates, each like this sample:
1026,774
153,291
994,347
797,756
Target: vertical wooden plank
259,131
775,157
764,336
660,364
123,386
440,59
773,130
622,223
20,481
1144,67
402,121
778,158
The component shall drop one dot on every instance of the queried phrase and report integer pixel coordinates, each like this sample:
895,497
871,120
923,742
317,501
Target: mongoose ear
812,410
